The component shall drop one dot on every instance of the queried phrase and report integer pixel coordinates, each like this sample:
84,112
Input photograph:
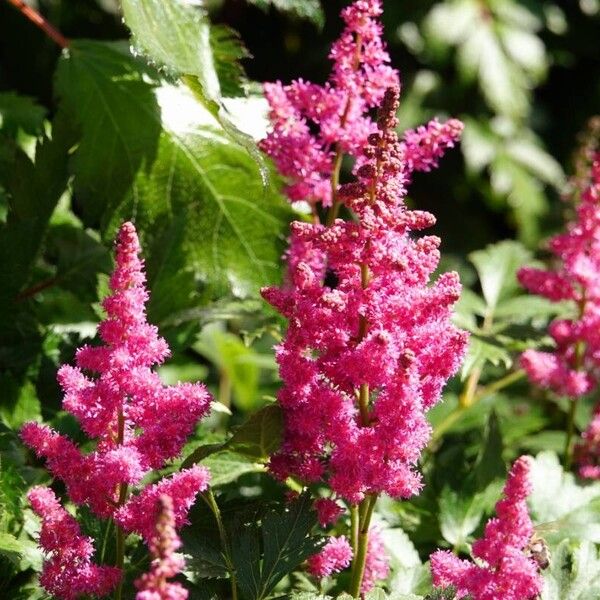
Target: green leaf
260,435
305,9
286,542
459,516
157,155
497,266
559,506
574,573
10,547
482,350
489,465
20,112
179,36
21,403
227,466
257,438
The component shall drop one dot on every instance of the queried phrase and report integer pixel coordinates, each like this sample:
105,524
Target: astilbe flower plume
335,556
68,571
382,329
166,563
572,368
314,125
503,568
138,423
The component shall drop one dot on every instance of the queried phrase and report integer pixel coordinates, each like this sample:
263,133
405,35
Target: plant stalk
360,557
36,18
210,499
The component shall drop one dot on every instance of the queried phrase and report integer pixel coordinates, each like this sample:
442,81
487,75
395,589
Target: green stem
354,524
486,391
360,557
210,499
568,457
335,182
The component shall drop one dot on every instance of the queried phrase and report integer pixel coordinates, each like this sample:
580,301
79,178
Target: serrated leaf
305,9
460,516
286,542
169,161
10,547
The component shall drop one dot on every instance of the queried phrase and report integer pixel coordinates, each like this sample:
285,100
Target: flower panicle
504,569
166,563
138,423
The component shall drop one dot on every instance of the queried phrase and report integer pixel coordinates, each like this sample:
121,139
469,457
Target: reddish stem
40,22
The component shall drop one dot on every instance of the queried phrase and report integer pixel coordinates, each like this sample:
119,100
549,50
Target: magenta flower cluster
503,568
572,368
314,125
166,563
138,423
380,328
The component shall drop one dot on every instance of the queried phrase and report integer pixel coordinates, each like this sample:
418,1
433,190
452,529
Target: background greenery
161,135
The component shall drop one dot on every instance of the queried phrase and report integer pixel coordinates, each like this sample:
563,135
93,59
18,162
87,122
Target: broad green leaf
20,112
574,573
286,542
257,438
155,155
227,466
179,36
305,9
497,266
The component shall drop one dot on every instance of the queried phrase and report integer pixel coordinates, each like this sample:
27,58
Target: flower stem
210,499
484,392
568,457
360,557
354,524
40,22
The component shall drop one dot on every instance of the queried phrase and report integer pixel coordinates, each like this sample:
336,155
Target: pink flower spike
68,571
166,564
335,556
504,569
138,513
328,511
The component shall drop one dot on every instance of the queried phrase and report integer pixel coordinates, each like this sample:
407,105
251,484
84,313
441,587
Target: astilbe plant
364,358
572,368
138,423
503,568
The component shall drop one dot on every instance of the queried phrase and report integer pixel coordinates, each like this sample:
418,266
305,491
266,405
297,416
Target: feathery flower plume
333,558
155,584
571,369
138,423
504,570
328,511
363,360
68,571
314,126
